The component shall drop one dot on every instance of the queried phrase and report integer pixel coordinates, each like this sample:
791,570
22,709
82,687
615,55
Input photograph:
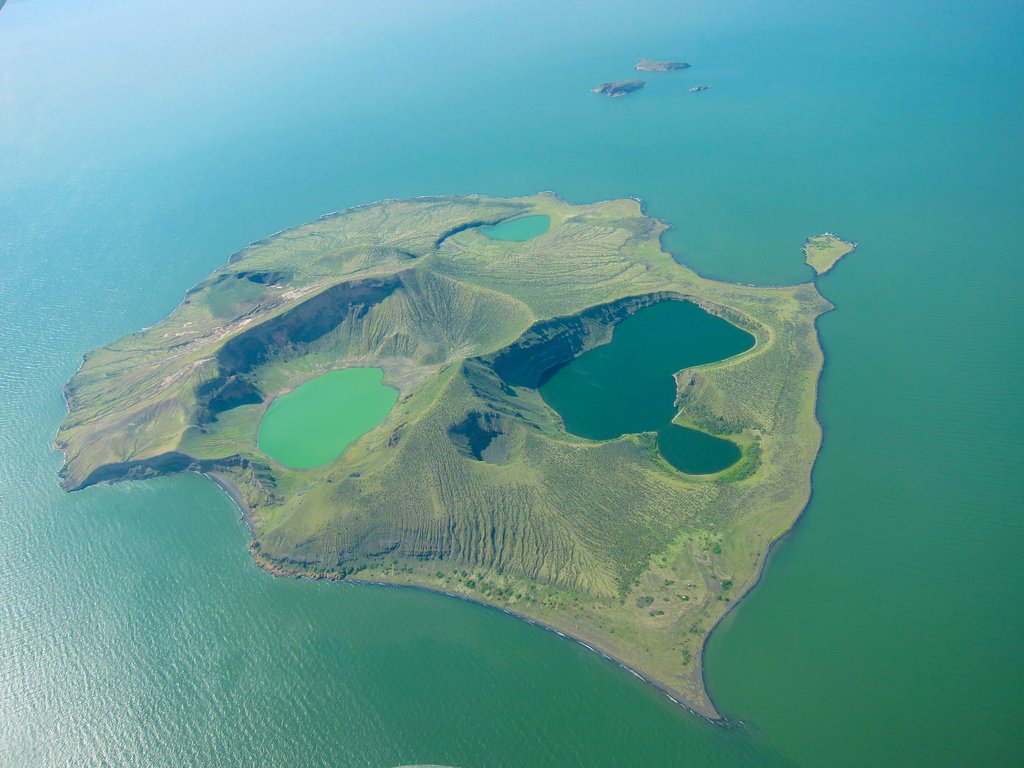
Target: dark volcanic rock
648,65
619,87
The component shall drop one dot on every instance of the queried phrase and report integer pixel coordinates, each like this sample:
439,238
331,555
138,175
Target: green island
466,480
823,251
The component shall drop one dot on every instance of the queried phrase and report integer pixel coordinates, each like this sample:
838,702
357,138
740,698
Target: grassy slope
604,541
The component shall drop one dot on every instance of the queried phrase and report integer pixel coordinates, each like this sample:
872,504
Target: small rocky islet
649,65
618,88
824,251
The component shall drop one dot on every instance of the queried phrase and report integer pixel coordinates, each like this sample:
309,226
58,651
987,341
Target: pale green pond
518,230
314,423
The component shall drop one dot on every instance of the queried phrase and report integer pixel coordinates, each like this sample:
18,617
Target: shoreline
670,693
819,271
759,574
235,495
274,569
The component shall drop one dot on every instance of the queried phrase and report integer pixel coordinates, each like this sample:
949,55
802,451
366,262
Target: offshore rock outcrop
617,88
649,65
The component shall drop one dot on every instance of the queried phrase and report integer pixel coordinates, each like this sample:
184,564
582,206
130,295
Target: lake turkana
141,144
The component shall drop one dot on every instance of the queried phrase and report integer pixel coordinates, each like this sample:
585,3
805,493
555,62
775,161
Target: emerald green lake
314,423
627,385
518,230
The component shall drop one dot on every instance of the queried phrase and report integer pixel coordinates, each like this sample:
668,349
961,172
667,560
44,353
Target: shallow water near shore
627,385
141,144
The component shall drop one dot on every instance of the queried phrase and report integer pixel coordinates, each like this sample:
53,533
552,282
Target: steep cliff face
548,345
291,333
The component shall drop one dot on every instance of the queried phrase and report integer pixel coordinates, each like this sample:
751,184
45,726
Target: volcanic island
649,65
468,481
618,88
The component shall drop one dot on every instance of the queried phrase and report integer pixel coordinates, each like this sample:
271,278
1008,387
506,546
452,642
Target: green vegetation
823,251
472,471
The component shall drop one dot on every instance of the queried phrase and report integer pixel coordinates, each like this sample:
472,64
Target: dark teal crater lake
628,385
518,230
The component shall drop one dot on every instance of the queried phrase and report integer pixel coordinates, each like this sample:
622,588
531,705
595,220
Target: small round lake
314,423
518,230
627,385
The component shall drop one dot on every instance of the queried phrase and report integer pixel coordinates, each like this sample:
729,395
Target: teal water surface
518,230
628,385
314,423
142,143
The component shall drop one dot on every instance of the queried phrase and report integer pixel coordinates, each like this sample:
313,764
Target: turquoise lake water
518,230
143,143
